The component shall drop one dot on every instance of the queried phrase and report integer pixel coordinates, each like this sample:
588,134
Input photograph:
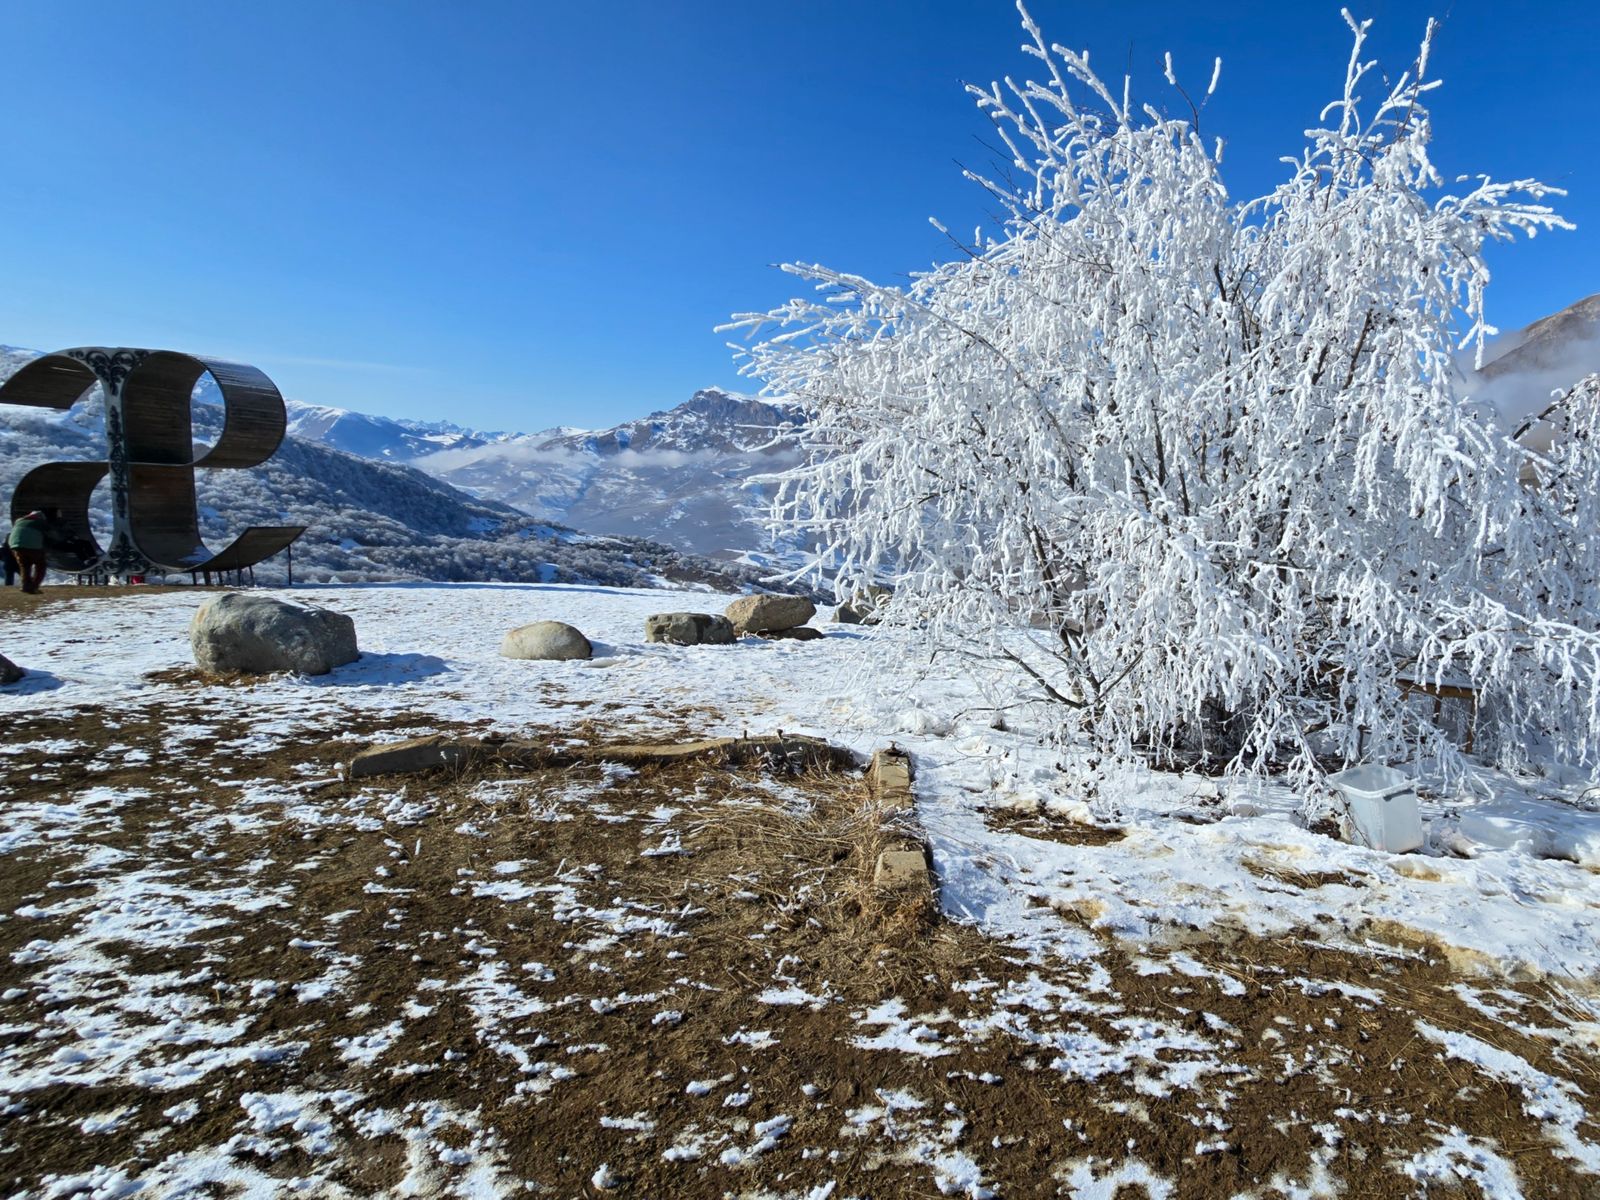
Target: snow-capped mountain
684,476
681,476
1567,342
365,519
688,476
386,439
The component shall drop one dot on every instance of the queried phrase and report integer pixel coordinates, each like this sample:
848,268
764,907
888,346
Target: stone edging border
905,863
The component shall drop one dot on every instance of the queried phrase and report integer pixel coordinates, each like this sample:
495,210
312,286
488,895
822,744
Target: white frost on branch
1202,466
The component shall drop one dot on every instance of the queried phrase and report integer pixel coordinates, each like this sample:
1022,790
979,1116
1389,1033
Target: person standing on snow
27,545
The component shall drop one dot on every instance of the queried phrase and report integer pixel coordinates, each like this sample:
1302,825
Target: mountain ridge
682,475
367,519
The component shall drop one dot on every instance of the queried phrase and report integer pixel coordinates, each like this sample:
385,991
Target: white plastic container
1380,808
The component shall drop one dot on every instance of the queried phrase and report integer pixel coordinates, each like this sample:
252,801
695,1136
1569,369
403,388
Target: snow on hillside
386,438
682,476
366,519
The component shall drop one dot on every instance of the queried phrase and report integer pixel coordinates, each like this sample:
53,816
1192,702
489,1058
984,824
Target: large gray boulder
9,671
765,614
262,635
688,629
547,640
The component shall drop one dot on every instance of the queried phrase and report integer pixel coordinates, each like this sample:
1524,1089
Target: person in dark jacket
8,562
27,544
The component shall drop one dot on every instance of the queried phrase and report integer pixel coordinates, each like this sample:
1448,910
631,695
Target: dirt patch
675,980
16,605
191,677
1035,824
1305,881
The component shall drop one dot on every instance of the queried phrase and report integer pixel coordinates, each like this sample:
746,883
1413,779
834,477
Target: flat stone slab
889,779
664,752
901,868
409,757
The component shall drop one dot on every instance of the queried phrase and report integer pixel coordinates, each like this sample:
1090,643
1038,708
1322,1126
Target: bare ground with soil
15,604
224,967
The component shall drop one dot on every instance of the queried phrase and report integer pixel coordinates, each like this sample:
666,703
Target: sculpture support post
111,367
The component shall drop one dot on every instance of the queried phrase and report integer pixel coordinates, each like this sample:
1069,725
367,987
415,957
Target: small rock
9,671
262,635
546,640
862,608
688,629
803,633
765,613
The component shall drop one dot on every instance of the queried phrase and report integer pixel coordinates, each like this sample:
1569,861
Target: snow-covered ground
1132,918
1511,876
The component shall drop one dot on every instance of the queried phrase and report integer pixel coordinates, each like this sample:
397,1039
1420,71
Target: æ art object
150,458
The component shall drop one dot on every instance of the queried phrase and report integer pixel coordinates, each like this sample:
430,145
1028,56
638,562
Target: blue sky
515,215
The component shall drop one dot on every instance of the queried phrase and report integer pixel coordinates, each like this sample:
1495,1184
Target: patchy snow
1122,856
1554,1101
1458,1159
1524,897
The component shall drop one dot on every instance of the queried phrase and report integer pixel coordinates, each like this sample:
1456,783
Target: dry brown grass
774,886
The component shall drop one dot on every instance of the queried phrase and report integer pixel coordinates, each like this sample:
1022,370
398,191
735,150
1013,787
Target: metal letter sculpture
155,523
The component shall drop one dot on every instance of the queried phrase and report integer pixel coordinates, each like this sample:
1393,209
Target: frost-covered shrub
1201,466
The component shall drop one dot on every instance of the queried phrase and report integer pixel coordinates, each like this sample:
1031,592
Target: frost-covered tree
1202,466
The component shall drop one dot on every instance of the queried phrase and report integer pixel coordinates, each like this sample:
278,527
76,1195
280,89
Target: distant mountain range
385,439
366,519
685,476
675,495
1566,343
690,476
